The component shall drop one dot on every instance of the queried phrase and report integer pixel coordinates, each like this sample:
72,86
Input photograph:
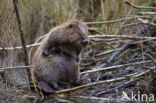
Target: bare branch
19,47
130,76
114,67
16,67
139,7
115,21
103,36
30,75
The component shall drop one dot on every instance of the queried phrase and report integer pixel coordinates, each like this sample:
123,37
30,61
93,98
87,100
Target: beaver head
73,32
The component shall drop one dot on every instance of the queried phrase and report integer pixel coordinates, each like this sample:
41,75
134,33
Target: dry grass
39,16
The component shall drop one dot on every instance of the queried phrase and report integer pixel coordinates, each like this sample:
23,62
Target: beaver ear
70,25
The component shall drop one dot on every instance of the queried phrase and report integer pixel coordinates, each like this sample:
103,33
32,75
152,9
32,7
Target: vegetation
121,49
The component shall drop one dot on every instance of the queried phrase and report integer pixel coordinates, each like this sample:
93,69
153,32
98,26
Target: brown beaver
56,61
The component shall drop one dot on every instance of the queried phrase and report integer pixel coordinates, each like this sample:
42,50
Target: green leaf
154,20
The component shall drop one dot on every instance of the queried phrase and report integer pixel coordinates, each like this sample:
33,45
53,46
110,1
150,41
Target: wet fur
59,68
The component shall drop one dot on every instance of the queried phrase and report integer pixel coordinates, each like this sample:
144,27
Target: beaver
56,60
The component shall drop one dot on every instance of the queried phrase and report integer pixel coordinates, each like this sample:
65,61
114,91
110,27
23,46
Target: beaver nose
85,42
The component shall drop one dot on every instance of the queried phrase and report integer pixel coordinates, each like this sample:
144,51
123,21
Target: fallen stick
114,21
113,67
19,47
90,71
103,100
91,36
89,85
125,46
130,76
16,67
123,85
139,7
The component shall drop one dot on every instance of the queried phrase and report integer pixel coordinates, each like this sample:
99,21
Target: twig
104,100
19,47
107,52
113,67
91,37
117,53
147,22
140,7
16,67
147,13
89,85
94,30
130,76
21,33
131,24
136,36
30,75
121,36
114,21
90,71
153,60
151,24
123,85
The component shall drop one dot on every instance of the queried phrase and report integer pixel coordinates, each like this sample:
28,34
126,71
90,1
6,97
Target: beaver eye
70,26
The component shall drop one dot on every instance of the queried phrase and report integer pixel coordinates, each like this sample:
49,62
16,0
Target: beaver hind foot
45,87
